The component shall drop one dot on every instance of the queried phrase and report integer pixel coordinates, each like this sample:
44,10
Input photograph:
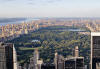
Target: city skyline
49,8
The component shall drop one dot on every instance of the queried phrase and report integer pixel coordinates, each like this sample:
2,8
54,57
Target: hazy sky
49,8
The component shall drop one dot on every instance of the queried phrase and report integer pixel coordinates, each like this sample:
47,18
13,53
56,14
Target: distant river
17,22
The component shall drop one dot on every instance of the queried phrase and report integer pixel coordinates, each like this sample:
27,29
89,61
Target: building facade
74,63
95,50
59,61
35,63
8,58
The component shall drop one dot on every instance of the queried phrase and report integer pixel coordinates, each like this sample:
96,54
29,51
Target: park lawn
28,48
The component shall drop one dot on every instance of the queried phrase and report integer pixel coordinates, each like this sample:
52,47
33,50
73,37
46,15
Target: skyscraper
26,30
75,62
35,63
95,50
7,56
13,30
59,61
3,31
36,58
56,60
76,51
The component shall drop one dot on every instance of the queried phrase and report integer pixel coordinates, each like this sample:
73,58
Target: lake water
73,30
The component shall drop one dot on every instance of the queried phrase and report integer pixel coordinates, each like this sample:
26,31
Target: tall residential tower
7,56
95,50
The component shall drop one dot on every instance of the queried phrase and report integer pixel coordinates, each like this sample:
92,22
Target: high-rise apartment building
75,62
76,51
95,50
8,56
59,61
71,62
3,31
35,63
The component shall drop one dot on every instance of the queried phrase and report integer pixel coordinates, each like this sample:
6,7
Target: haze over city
49,8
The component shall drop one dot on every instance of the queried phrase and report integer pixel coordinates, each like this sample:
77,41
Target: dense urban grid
11,31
